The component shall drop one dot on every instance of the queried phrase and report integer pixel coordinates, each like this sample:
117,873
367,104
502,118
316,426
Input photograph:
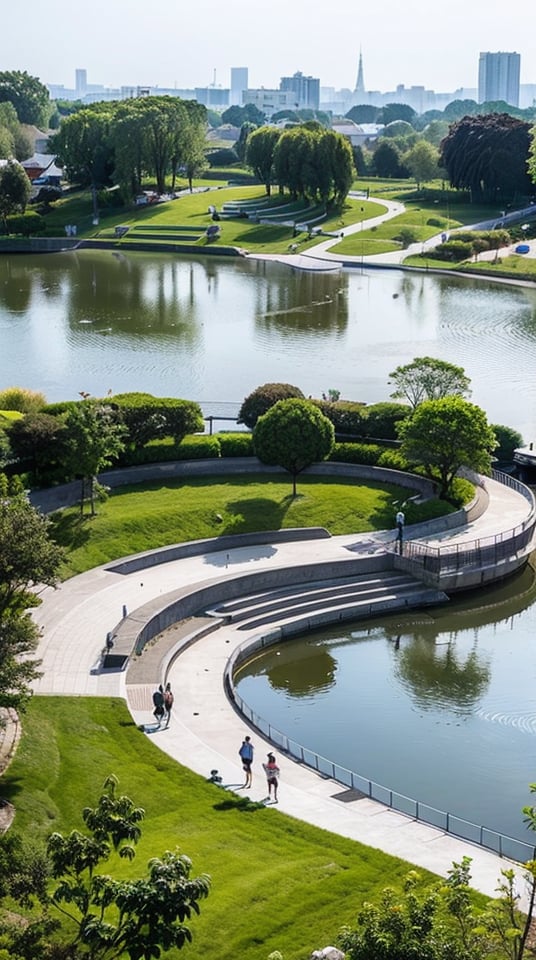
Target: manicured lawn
150,515
277,883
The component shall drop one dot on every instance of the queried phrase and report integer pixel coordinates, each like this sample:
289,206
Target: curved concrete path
205,731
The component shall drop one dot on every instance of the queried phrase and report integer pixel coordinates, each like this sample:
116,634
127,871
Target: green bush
167,450
22,399
348,417
381,419
392,460
236,444
406,236
151,418
29,224
263,398
224,157
452,251
365,453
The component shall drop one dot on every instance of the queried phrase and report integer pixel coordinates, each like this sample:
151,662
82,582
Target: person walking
246,755
400,521
168,702
158,703
272,776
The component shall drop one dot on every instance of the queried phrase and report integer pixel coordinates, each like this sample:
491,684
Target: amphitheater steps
355,597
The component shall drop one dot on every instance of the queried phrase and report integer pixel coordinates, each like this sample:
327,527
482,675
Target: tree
260,148
293,435
28,557
363,113
387,160
94,437
15,190
397,111
488,156
422,162
140,917
83,145
427,378
443,435
532,155
28,95
263,398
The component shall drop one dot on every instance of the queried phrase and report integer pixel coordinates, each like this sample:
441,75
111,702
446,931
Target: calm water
439,706
213,330
449,716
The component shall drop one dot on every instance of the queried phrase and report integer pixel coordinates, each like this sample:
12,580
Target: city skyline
125,43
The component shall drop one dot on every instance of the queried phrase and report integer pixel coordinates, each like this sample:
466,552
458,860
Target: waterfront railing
362,787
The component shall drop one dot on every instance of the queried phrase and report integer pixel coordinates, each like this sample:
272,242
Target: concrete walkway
205,731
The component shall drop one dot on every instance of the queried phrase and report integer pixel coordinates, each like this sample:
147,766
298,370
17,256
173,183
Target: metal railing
439,561
500,843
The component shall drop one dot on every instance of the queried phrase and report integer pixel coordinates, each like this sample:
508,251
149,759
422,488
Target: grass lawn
150,515
277,883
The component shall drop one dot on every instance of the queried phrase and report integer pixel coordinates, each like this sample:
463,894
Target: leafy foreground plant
111,918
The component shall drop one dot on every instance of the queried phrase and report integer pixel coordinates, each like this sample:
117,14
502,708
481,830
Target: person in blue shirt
246,755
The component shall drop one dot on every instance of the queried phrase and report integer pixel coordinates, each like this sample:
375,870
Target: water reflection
437,675
438,705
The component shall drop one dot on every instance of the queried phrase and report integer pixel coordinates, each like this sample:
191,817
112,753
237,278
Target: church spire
360,83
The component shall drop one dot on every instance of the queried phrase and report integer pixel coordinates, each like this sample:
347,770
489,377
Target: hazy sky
179,43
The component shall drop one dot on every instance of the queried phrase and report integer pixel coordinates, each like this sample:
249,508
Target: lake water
450,716
437,705
212,330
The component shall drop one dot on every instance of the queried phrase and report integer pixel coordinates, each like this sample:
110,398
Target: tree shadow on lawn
70,530
257,513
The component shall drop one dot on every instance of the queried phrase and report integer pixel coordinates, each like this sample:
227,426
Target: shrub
406,236
365,453
225,157
29,224
166,451
22,399
381,419
262,398
236,444
452,251
393,460
347,417
151,418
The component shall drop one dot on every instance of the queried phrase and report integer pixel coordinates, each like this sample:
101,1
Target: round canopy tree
264,397
293,435
443,435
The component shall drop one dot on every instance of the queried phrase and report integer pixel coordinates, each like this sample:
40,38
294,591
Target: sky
169,43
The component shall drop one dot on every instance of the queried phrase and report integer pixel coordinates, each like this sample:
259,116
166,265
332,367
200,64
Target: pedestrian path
205,731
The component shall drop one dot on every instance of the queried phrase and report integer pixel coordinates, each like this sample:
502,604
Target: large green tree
29,559
427,378
15,190
488,156
422,162
260,147
28,95
293,435
94,437
444,435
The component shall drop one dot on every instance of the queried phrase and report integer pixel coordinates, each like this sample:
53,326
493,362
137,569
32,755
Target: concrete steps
350,597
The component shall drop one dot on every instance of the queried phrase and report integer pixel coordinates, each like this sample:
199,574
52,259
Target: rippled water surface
213,330
439,706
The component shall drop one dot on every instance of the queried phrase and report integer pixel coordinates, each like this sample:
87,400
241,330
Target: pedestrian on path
246,755
272,776
158,703
168,702
400,521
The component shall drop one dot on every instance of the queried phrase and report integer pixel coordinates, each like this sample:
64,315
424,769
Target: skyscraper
80,82
306,90
498,77
239,83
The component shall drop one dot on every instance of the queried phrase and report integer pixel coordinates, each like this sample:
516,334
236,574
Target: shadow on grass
242,804
70,530
257,513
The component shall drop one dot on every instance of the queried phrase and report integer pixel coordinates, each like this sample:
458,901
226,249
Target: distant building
80,83
215,97
498,77
239,83
306,90
360,82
